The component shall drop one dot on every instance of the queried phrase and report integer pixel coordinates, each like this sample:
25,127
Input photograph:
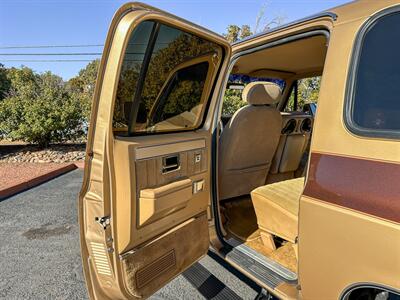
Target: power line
50,46
66,46
45,60
58,60
50,54
63,54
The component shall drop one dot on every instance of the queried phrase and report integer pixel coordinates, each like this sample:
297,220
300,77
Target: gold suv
304,199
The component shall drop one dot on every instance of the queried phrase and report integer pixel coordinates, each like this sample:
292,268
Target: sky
85,22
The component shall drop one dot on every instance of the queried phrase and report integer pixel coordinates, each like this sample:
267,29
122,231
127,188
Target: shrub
232,102
39,110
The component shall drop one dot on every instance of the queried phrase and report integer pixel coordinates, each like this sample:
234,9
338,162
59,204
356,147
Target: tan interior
292,148
277,208
153,265
241,223
285,61
248,142
265,216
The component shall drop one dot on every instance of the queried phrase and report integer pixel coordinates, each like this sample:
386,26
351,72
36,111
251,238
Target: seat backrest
249,141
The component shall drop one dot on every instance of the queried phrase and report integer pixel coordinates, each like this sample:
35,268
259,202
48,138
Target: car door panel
154,264
146,174
145,197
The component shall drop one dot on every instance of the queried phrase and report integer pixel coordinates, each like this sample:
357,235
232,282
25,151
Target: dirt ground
14,173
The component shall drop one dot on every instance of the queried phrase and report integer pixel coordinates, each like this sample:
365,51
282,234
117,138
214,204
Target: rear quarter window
373,103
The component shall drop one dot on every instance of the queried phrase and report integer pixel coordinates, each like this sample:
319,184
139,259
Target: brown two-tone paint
371,187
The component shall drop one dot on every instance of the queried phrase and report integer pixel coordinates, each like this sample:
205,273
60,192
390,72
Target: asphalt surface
40,258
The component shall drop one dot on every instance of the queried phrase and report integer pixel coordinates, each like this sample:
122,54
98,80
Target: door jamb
215,135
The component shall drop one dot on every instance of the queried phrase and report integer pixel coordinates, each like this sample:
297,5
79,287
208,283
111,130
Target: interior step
261,267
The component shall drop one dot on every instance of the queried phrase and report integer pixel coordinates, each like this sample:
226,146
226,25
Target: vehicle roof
340,14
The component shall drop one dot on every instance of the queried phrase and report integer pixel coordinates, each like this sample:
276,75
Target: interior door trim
164,149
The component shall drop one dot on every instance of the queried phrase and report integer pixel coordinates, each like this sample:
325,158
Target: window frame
349,122
142,78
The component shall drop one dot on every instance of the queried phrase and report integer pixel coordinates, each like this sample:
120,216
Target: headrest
261,93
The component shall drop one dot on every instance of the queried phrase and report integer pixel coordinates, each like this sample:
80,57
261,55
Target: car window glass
233,94
172,94
376,103
307,92
180,103
129,75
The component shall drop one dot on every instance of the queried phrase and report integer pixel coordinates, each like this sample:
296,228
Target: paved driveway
40,259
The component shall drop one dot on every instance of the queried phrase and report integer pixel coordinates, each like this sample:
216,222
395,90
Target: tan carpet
241,222
286,256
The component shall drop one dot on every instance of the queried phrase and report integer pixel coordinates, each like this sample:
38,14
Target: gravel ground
40,256
14,173
54,153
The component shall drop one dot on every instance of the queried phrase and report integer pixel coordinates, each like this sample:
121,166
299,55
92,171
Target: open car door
144,205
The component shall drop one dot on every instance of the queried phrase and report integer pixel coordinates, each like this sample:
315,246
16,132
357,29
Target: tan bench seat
277,209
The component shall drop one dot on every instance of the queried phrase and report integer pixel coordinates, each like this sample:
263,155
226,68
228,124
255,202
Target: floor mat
241,222
286,256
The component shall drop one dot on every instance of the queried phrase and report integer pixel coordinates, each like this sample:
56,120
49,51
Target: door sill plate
263,268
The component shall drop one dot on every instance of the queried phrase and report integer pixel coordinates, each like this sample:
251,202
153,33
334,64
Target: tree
245,31
308,92
181,49
23,82
232,98
5,83
232,102
82,86
264,22
235,33
232,33
39,110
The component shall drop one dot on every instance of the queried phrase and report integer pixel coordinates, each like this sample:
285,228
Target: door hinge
103,221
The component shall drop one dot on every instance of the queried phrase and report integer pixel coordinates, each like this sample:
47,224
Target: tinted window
376,90
129,75
180,103
163,81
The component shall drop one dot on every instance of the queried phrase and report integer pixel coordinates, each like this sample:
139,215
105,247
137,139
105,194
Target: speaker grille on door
100,258
155,269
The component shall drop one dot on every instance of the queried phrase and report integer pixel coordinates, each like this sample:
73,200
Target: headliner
284,61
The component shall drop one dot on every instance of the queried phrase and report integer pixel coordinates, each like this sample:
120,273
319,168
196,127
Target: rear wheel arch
367,291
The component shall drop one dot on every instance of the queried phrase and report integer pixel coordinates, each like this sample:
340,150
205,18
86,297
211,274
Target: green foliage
232,102
245,31
235,33
5,83
164,61
183,48
308,91
39,110
232,33
23,82
81,87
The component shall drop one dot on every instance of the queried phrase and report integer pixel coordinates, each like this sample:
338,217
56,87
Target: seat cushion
277,207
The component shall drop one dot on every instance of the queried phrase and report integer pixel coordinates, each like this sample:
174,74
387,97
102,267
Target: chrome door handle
170,163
